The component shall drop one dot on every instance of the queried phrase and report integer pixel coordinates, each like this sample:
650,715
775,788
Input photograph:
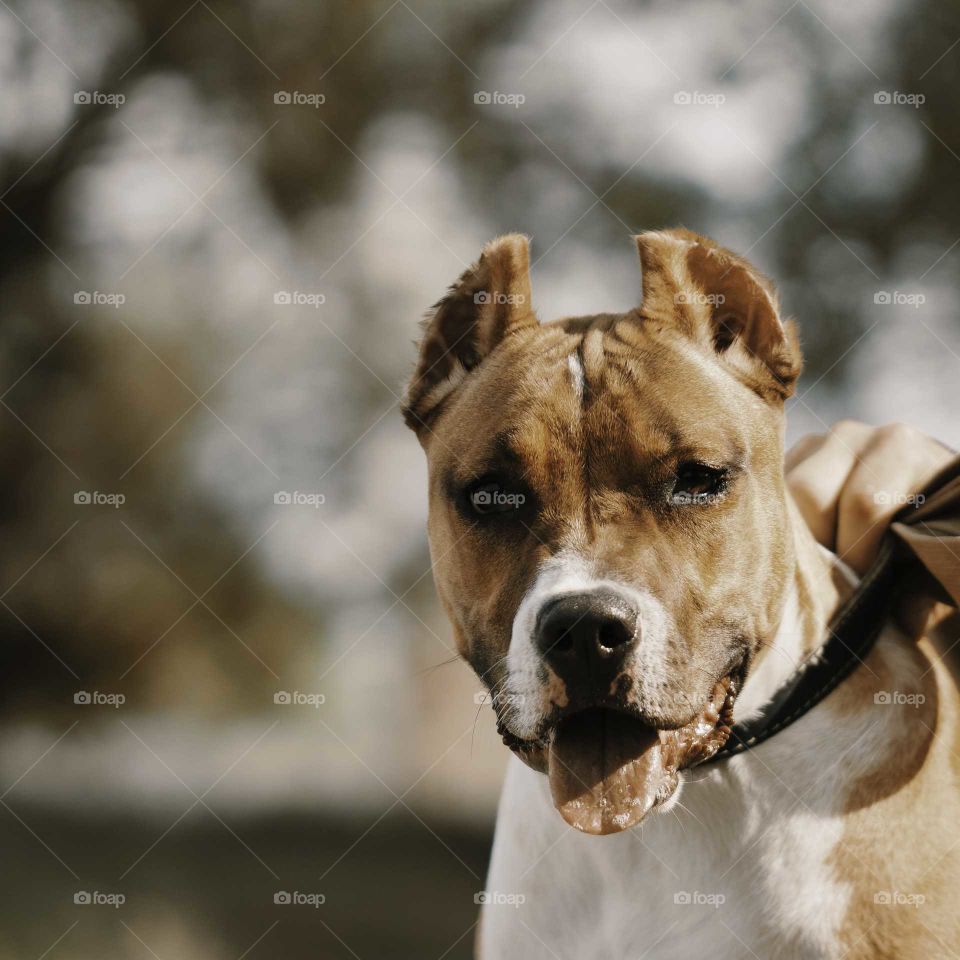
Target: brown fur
901,834
698,372
597,465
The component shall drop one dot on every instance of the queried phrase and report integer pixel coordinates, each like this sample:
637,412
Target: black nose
586,636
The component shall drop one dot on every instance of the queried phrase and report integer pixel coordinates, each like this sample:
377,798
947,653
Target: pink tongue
605,770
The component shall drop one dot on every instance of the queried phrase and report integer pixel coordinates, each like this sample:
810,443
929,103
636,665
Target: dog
622,565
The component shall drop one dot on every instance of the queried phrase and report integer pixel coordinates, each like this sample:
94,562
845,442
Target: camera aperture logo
501,699
297,98
492,296
99,298
85,898
497,898
497,498
898,498
696,499
897,898
899,99
699,98
96,498
295,698
498,99
95,698
897,698
97,98
697,898
899,298
298,498
298,899
704,299
298,298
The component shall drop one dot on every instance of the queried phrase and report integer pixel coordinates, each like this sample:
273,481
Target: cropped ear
719,299
489,301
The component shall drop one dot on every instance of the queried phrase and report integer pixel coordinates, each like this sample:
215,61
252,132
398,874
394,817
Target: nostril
575,630
562,642
613,634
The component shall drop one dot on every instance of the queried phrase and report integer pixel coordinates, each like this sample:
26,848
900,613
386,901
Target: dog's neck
817,582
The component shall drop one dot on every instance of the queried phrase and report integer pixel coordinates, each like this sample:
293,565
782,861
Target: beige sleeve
930,528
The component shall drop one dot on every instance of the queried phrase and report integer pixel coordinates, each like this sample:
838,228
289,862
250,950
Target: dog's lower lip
608,768
533,750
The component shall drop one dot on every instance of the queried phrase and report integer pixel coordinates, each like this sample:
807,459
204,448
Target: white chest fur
739,865
738,868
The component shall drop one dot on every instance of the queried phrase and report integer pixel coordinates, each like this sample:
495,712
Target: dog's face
607,514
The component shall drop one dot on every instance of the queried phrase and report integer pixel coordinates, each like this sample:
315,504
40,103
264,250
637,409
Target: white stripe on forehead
576,374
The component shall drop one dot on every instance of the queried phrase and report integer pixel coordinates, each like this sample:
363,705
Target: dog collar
923,535
852,633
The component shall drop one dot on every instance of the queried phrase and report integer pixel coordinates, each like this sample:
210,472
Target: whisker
689,812
436,666
794,663
706,776
496,663
473,730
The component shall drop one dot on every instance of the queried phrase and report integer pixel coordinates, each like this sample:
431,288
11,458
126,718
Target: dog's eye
698,483
491,496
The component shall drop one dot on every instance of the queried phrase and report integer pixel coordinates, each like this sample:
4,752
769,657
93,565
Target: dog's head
607,511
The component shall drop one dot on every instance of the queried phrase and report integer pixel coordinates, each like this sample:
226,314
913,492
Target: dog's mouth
608,768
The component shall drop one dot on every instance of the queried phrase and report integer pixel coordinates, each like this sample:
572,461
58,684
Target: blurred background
232,725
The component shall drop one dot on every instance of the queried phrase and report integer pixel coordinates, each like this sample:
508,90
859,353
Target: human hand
850,481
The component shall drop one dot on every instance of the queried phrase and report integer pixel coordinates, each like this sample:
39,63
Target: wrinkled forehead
604,386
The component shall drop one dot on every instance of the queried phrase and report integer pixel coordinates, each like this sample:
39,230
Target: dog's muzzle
585,638
612,752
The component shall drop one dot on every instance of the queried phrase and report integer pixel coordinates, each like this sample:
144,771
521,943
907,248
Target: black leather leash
852,631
